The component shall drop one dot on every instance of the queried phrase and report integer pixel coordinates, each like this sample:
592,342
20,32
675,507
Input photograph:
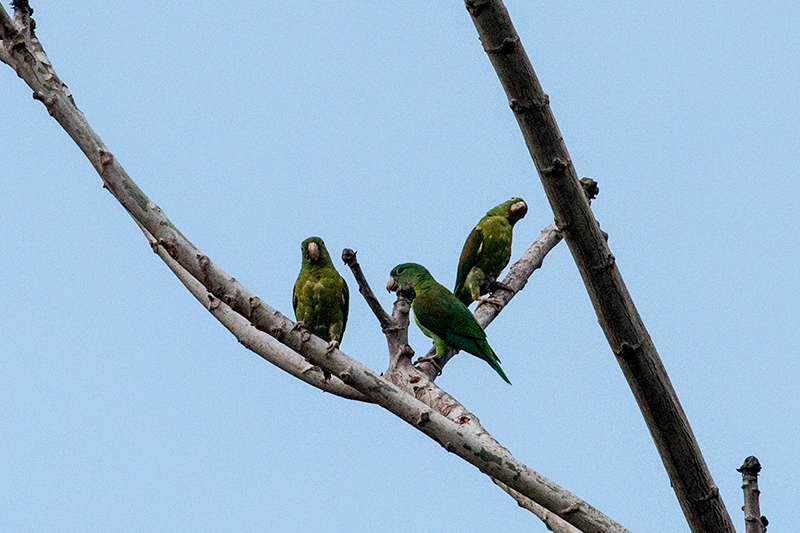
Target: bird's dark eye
400,270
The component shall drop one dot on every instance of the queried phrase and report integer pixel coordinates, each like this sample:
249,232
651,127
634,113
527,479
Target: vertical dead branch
753,521
698,495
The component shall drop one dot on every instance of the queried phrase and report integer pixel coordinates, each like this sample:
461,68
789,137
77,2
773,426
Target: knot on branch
561,226
474,7
626,351
711,494
424,418
23,6
349,257
520,108
406,351
517,106
750,466
590,188
170,247
607,263
571,508
508,46
106,158
48,101
347,377
205,267
557,169
393,328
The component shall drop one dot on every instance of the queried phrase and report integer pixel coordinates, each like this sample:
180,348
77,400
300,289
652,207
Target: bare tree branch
251,338
417,382
753,521
349,258
463,436
698,495
553,522
514,281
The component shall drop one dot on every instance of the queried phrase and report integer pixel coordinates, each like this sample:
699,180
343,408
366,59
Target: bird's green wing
294,293
469,257
438,310
345,304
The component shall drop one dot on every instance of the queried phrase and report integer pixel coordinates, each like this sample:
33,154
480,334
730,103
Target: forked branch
231,302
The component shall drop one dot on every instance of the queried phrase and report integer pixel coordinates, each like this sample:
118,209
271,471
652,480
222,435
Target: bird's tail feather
494,362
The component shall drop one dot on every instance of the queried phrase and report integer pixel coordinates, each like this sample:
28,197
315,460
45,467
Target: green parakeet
321,298
487,251
442,317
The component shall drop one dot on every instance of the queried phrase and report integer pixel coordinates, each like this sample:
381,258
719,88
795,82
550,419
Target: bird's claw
332,346
299,326
431,360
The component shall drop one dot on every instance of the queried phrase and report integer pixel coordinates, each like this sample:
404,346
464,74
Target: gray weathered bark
237,307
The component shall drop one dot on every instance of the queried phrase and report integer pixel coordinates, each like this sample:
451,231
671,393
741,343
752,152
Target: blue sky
124,406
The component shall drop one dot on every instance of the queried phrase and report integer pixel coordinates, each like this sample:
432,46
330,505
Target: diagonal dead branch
251,338
462,437
414,380
629,340
349,258
554,523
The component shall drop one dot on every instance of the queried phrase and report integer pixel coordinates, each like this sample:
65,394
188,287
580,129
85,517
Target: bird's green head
513,210
314,252
410,273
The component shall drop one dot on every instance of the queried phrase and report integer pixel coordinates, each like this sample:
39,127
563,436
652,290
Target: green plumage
487,250
441,316
321,298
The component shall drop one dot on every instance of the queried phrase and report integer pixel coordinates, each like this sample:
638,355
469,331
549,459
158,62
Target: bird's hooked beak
518,210
313,251
391,285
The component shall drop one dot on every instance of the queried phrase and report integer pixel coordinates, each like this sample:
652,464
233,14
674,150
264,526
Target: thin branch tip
751,466
349,257
590,188
22,5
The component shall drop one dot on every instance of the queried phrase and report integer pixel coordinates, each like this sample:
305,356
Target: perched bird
441,316
321,298
487,251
